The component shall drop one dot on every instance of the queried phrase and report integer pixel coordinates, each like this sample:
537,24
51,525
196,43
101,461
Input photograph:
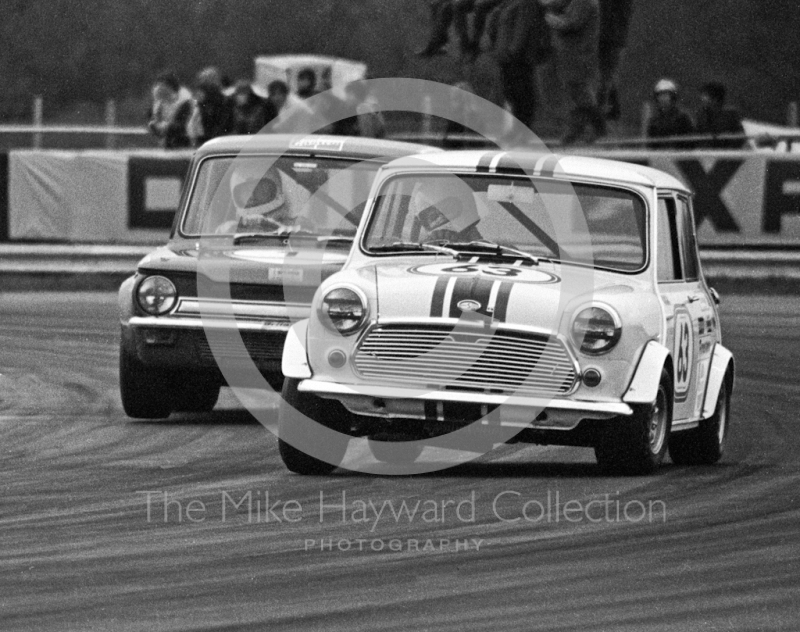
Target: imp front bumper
203,344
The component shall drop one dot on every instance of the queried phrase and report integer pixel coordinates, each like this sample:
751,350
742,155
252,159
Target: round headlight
596,330
157,295
343,310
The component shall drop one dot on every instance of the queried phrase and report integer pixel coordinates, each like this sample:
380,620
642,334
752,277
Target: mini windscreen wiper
299,233
497,249
238,238
401,246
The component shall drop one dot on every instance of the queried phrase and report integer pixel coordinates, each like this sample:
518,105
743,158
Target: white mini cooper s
513,297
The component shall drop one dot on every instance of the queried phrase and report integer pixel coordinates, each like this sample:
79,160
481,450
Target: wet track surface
79,552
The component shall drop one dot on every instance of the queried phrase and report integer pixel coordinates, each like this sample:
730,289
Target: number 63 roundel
682,354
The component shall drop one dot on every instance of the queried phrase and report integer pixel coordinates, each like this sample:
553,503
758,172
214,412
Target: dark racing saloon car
262,221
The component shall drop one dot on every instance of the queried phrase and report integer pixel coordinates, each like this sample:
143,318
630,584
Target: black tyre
275,380
146,392
197,395
396,452
638,444
705,444
309,423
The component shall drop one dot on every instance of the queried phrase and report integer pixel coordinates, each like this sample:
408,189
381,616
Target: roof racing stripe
485,161
548,167
508,165
496,161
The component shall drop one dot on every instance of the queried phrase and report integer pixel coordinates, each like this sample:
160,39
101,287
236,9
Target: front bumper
237,335
509,411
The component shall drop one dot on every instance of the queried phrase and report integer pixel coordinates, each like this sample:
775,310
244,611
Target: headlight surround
344,310
596,329
156,295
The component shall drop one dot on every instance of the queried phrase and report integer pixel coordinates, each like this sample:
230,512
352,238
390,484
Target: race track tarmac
712,548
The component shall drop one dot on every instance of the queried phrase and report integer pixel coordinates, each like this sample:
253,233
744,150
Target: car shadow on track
213,418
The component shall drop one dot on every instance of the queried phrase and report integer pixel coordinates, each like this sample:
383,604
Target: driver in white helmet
259,201
451,219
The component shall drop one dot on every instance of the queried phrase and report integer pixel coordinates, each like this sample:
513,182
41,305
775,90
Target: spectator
210,75
333,115
455,132
456,12
293,115
368,121
306,83
170,112
576,27
520,40
715,119
669,119
278,95
212,115
250,112
615,18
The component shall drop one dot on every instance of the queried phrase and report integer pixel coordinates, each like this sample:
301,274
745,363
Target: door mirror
715,295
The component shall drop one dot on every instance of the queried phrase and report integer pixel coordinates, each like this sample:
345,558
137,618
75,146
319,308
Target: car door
675,291
700,303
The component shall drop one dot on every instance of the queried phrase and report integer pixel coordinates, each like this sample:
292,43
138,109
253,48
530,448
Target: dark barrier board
144,170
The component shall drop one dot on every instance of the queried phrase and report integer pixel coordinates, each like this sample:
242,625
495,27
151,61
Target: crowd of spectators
715,126
183,118
583,38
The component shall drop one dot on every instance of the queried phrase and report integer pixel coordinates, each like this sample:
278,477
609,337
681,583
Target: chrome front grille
463,358
258,346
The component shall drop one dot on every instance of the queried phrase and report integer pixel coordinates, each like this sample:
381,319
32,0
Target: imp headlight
156,295
596,329
343,310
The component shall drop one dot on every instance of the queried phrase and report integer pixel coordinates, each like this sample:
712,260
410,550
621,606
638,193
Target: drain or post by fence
111,122
38,119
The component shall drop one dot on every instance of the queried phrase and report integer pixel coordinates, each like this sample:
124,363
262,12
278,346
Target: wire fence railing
20,136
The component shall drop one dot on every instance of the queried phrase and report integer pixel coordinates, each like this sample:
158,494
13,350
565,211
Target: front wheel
705,444
638,444
145,392
307,423
385,450
197,395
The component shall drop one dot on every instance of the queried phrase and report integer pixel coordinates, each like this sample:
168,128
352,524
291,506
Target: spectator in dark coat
457,12
250,112
306,83
576,30
715,119
669,120
170,112
615,19
520,40
213,113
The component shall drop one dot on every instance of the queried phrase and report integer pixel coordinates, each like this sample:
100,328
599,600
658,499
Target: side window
691,265
669,259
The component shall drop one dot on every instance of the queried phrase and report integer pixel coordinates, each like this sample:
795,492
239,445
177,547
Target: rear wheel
146,392
637,444
308,423
705,444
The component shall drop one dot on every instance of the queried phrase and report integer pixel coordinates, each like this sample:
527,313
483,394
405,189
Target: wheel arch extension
722,369
644,385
